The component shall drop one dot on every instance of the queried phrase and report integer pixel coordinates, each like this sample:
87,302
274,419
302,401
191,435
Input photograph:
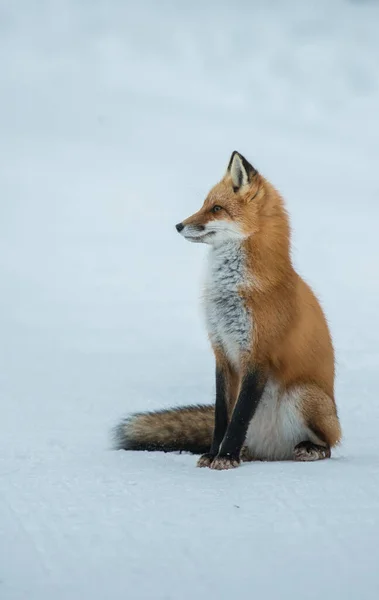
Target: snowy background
116,118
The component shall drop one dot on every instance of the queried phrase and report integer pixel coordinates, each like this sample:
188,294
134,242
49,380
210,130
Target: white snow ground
115,119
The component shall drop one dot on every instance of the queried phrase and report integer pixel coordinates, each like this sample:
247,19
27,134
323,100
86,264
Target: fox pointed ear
241,171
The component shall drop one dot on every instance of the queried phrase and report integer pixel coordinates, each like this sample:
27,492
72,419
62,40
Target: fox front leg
221,417
252,388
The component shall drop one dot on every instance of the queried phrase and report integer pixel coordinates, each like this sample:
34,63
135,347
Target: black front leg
221,419
221,412
251,392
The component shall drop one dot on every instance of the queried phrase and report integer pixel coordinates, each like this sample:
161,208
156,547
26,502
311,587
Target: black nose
179,227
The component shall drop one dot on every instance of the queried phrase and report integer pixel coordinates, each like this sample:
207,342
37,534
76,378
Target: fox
274,355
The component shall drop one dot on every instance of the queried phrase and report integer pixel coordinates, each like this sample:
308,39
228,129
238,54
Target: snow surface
116,118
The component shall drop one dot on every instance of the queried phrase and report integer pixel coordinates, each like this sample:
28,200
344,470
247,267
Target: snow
116,118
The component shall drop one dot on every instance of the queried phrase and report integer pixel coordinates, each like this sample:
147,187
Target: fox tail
187,429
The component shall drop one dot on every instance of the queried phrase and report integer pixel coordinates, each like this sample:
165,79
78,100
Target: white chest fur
229,322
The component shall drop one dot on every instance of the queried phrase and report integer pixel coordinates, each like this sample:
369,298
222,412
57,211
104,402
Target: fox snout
180,226
192,232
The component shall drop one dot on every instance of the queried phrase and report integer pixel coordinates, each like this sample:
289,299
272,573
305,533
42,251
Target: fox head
231,209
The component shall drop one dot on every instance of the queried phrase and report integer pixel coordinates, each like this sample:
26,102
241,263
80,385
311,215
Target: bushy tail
187,429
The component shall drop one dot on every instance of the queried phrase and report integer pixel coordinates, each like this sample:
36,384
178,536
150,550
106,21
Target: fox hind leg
308,451
320,414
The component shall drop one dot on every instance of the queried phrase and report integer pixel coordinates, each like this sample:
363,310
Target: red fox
273,350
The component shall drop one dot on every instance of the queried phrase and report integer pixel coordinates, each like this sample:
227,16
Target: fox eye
216,208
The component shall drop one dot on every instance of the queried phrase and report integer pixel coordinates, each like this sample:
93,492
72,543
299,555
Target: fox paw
205,460
307,451
222,463
246,455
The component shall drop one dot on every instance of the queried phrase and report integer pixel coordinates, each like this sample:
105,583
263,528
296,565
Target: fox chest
229,322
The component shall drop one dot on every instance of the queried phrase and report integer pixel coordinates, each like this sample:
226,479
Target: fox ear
241,171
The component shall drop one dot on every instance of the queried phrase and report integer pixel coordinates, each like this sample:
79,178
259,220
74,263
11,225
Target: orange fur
290,341
291,336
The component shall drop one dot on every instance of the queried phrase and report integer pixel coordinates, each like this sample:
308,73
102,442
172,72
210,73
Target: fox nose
179,227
